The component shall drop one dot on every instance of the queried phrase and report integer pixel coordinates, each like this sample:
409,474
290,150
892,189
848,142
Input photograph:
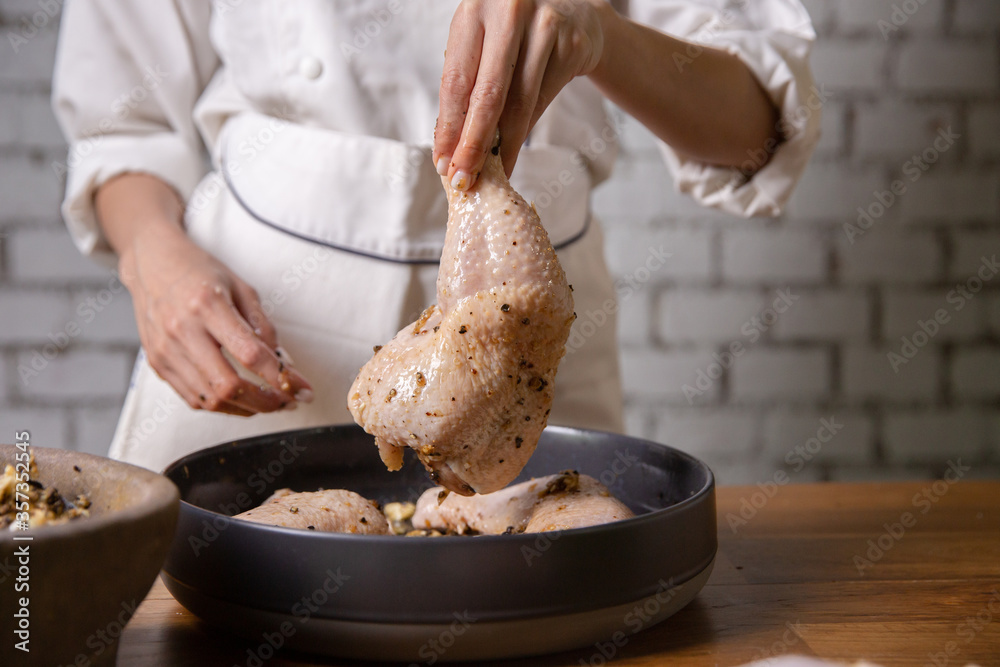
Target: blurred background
884,362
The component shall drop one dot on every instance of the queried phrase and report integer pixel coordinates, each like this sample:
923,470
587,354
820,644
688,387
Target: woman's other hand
504,64
190,307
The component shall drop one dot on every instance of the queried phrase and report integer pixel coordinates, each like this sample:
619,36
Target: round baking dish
429,599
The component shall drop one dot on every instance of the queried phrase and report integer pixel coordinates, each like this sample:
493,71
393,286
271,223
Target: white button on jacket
310,67
317,117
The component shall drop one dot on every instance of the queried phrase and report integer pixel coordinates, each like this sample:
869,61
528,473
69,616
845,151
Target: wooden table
896,573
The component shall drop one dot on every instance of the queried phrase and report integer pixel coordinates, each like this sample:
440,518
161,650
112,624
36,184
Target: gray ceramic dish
86,577
455,598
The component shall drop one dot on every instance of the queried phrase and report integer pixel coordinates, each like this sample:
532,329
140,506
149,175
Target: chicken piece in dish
556,502
330,511
469,384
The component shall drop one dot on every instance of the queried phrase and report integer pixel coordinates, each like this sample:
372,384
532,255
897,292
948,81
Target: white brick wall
84,376
47,428
825,315
628,197
975,373
29,316
638,421
773,256
977,16
886,255
16,10
706,315
826,355
821,12
905,309
850,64
10,117
661,375
47,255
641,191
32,65
922,436
93,429
833,190
833,126
28,188
710,433
26,119
689,249
868,375
947,66
781,375
891,128
635,318
4,381
104,316
864,15
788,439
738,471
969,195
983,129
969,253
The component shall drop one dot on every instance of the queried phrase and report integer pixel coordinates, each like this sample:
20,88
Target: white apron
339,232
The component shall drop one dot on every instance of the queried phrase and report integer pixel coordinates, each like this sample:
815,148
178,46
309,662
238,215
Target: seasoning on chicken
330,511
469,384
556,502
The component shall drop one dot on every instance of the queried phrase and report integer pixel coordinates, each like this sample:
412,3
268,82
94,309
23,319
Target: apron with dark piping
340,233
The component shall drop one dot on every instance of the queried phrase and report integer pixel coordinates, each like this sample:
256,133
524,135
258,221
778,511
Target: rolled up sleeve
773,38
127,77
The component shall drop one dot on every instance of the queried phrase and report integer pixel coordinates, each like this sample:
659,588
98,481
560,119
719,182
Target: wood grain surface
797,575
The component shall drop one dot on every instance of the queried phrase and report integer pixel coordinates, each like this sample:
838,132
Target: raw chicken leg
469,384
556,502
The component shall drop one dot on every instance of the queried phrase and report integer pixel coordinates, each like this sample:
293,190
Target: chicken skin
469,384
556,502
330,511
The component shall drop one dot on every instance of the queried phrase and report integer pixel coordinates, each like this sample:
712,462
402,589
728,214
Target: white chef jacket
318,189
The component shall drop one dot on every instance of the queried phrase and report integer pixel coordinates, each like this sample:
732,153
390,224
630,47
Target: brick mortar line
99,403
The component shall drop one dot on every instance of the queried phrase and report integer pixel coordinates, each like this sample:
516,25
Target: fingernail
288,407
304,396
442,166
461,180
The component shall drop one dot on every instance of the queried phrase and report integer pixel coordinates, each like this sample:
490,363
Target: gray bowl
427,598
86,577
